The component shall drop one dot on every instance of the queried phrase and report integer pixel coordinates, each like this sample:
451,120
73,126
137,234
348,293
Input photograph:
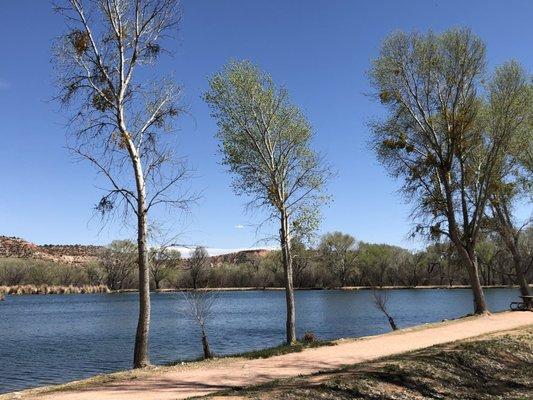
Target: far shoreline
21,290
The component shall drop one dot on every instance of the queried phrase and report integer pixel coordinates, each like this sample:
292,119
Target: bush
309,337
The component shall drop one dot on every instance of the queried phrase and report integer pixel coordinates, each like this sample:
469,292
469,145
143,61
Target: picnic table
525,304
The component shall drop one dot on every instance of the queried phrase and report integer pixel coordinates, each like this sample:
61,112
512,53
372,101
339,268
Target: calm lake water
54,339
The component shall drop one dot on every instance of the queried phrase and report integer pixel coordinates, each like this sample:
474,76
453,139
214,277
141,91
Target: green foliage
444,135
119,263
338,253
16,271
265,142
370,265
163,264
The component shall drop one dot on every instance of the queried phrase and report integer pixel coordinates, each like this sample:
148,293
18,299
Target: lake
58,338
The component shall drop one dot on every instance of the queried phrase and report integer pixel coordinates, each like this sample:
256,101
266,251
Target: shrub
309,337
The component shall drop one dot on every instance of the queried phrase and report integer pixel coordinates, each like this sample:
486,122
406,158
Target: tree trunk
520,275
468,256
470,259
392,323
205,344
509,235
343,279
522,282
517,263
140,355
287,267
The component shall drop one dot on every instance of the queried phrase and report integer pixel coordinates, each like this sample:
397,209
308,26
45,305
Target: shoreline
192,378
21,290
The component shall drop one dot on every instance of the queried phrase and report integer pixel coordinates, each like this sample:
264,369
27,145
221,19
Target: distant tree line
338,260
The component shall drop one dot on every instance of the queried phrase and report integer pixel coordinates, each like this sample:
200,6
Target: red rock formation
239,257
71,254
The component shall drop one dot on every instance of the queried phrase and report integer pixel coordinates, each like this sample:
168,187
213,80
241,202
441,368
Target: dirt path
179,383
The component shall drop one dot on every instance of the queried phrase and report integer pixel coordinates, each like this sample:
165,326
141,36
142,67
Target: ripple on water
54,339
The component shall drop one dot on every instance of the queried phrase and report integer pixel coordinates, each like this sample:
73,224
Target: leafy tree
435,262
338,253
198,265
438,137
377,260
265,141
301,260
487,253
510,110
120,118
163,262
118,263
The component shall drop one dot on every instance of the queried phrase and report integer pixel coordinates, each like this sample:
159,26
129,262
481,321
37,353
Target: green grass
264,353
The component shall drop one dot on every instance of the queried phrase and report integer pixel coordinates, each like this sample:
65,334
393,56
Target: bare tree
381,298
200,308
197,265
121,120
266,144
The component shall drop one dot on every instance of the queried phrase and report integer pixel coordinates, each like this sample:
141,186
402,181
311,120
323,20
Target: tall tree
266,144
120,119
510,111
338,252
436,136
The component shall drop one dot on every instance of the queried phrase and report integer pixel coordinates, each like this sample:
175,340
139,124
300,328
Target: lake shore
19,290
209,377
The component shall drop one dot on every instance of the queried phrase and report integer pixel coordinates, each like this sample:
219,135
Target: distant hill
70,254
239,257
78,254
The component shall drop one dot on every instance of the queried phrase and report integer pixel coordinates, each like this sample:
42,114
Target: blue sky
320,50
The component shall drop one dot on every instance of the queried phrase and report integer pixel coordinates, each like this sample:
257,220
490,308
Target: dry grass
53,289
499,366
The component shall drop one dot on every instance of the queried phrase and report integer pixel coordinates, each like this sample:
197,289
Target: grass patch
283,349
262,353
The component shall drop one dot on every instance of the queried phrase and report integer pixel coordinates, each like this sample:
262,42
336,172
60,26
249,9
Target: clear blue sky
320,50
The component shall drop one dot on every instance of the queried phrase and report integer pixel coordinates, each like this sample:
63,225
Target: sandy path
179,384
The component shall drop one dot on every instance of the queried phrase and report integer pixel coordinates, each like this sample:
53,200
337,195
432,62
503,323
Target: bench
524,305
